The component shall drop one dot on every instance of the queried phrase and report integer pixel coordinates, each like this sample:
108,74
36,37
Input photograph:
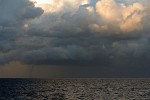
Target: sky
74,38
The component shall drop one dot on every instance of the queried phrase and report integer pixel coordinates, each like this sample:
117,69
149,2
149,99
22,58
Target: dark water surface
74,89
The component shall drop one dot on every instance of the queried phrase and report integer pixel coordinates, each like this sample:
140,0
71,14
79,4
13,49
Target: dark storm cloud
69,38
16,11
14,14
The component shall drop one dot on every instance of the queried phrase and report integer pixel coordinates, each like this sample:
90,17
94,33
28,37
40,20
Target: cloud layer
86,33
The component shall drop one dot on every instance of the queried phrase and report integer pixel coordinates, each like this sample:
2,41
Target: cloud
118,17
14,13
74,33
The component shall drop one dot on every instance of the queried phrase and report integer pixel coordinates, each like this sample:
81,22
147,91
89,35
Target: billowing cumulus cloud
118,17
74,32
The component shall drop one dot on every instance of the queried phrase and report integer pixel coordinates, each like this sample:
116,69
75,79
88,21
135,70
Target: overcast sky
74,38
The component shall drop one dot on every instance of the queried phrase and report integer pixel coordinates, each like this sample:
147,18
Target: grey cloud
88,51
65,39
14,14
65,45
16,11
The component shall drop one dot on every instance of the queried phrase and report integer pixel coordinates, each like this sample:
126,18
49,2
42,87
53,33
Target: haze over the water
74,38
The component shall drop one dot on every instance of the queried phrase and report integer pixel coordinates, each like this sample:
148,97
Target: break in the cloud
74,32
59,5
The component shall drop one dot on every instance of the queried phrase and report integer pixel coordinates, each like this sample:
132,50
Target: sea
75,89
